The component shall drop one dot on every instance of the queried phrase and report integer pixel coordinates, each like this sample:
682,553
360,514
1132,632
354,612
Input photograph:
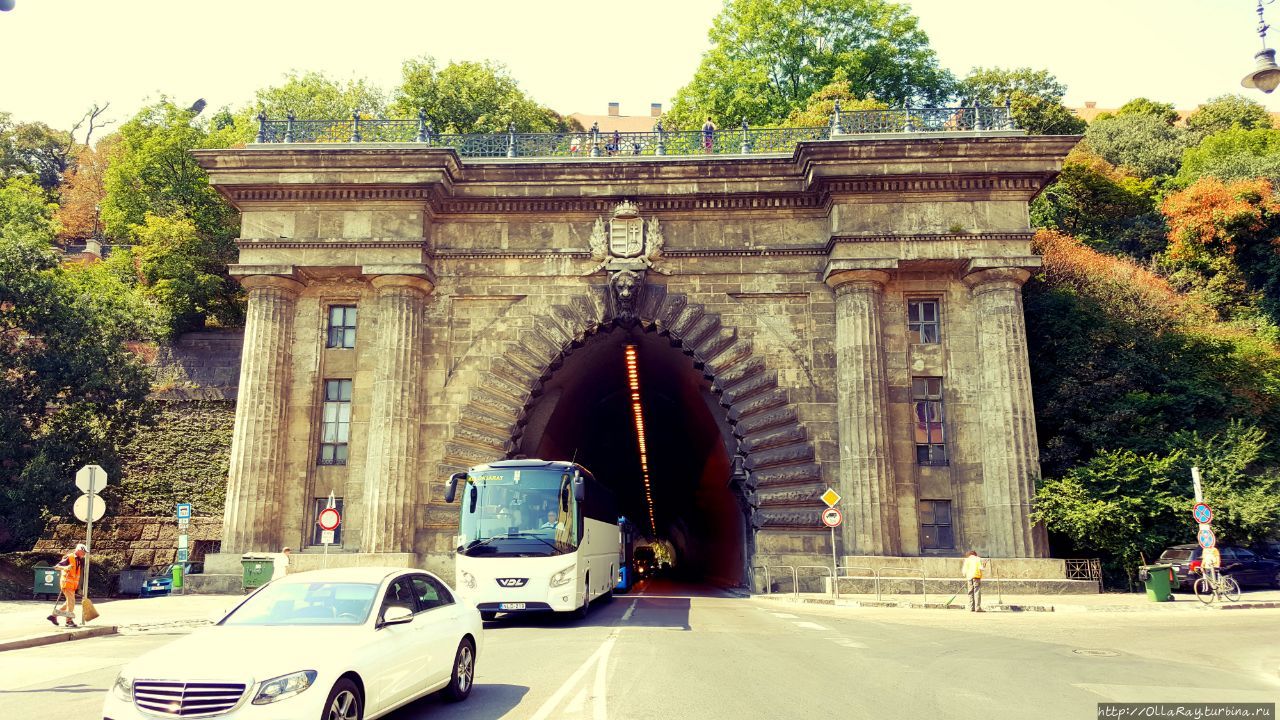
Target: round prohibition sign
1203,514
831,517
329,519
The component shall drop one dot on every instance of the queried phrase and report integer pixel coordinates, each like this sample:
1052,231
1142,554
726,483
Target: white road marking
601,704
785,616
846,642
601,655
578,702
810,626
627,615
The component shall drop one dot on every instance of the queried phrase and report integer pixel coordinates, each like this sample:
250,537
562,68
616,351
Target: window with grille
922,320
316,533
342,326
926,407
335,430
935,525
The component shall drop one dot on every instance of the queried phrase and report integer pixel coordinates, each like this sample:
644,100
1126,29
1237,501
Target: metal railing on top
740,140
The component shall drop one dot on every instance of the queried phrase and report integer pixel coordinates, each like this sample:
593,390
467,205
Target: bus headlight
469,580
564,577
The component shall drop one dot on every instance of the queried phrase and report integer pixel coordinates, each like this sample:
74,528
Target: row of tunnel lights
633,381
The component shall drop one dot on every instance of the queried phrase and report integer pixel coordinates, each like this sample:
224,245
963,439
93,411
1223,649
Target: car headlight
563,577
285,686
123,688
468,579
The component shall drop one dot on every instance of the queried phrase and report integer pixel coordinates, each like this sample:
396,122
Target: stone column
255,482
862,413
1009,453
392,473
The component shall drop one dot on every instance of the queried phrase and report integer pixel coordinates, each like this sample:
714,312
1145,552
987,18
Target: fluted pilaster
255,482
1010,455
391,470
866,465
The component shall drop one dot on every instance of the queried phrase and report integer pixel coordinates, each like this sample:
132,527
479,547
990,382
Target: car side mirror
396,615
451,487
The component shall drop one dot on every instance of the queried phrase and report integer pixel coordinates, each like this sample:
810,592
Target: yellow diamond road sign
830,497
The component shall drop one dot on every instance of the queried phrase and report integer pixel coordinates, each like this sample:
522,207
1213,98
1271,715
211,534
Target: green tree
1142,145
185,273
1105,208
315,96
821,106
1143,106
72,392
1034,98
1233,154
768,57
34,150
1226,112
470,97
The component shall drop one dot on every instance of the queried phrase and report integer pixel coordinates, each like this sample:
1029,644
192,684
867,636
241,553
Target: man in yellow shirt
972,571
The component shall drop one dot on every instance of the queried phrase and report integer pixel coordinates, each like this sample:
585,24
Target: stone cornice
287,244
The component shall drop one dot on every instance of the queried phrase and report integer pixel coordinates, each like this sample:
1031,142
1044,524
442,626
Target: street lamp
1266,76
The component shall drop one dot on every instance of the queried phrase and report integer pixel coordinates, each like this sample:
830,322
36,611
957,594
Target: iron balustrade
871,573
827,572
923,579
738,139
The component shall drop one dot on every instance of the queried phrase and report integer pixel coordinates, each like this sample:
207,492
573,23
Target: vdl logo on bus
512,582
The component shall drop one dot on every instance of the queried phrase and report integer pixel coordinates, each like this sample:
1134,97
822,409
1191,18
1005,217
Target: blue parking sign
184,511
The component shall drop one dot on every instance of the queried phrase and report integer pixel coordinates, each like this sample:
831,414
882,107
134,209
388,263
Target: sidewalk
23,623
992,602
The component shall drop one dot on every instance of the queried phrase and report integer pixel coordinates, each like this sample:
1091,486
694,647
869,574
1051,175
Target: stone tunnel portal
585,411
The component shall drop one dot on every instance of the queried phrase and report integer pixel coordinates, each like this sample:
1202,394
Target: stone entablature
786,278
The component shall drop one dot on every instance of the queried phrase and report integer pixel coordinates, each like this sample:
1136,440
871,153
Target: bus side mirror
451,487
475,497
579,487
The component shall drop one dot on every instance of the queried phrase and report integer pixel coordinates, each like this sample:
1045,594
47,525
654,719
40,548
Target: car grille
193,699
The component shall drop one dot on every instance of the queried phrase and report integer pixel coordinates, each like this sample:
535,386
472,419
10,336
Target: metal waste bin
257,570
176,572
131,581
1159,581
47,582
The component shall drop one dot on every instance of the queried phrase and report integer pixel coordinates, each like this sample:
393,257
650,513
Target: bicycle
1212,585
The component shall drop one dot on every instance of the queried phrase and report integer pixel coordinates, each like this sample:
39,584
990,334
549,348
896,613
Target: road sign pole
835,566
1195,482
88,534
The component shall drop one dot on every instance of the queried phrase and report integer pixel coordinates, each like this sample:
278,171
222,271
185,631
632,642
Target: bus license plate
510,606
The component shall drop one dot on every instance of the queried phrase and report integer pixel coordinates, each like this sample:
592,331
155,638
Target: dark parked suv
1246,566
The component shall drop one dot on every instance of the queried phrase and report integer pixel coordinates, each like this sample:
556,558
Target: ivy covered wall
181,456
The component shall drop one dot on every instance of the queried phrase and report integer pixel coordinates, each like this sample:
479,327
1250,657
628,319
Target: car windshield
317,603
1176,554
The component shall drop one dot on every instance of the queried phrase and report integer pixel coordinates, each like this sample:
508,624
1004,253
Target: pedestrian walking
71,566
972,572
708,135
280,565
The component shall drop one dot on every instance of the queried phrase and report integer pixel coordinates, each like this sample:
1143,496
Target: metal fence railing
741,139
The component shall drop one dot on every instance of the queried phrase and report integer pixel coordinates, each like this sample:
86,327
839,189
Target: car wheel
488,615
1275,581
344,702
464,672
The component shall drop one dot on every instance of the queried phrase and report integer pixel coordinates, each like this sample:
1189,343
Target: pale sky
59,56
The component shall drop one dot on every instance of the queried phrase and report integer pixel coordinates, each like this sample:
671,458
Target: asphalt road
671,651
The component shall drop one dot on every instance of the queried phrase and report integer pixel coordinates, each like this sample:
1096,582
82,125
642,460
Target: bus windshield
518,512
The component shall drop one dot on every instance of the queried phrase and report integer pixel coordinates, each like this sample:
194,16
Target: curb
52,638
1068,607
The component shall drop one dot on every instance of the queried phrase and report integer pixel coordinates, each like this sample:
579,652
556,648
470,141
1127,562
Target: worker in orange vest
71,565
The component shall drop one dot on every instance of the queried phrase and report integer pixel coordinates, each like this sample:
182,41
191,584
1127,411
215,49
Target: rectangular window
922,320
926,407
935,525
335,429
342,326
316,533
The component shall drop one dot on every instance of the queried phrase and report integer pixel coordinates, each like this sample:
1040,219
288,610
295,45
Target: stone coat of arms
626,248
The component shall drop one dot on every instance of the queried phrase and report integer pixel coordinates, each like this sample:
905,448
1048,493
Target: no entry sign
831,517
329,519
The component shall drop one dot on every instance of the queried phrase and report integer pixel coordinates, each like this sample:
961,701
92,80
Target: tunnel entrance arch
752,442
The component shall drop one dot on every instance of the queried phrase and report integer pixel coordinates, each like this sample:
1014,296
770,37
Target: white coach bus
534,535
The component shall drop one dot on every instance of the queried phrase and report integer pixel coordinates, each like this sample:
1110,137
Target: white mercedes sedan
341,644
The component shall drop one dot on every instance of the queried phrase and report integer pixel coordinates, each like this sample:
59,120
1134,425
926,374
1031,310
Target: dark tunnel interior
585,413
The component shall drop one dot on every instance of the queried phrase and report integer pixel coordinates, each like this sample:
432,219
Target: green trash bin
257,570
48,581
1158,579
176,575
